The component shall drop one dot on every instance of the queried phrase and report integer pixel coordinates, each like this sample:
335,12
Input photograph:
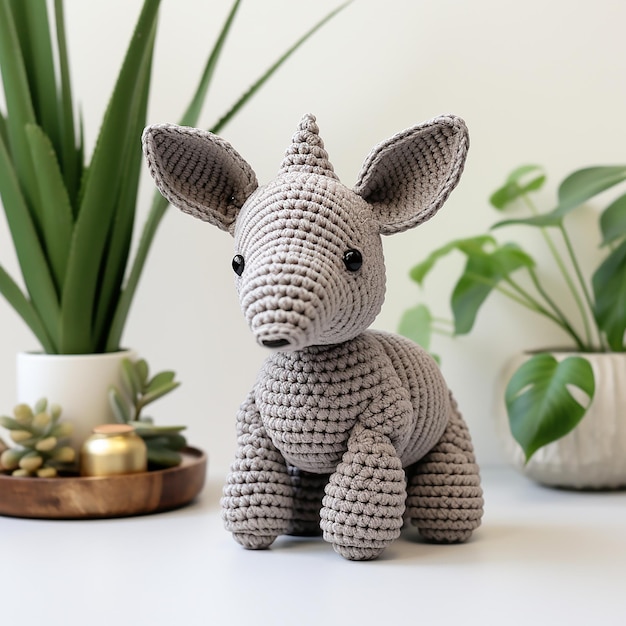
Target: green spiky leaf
76,300
254,88
56,210
102,188
31,257
159,204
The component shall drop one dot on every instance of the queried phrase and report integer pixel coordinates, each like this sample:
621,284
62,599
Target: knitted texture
198,172
365,498
409,180
306,153
444,493
340,417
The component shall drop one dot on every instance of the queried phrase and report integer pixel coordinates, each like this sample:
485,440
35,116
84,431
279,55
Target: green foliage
163,442
609,289
539,401
518,183
39,437
415,323
72,220
540,406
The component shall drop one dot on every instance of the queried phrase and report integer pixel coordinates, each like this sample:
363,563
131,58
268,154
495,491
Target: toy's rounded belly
309,403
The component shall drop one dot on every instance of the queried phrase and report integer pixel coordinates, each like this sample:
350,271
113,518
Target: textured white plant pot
593,455
78,383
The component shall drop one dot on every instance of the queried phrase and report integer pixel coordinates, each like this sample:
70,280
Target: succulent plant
163,442
39,438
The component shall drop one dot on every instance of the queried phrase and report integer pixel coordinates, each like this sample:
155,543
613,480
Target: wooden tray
96,497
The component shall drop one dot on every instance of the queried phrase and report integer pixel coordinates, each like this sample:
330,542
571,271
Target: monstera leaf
540,402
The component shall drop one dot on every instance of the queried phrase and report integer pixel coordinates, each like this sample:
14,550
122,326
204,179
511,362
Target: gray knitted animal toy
346,429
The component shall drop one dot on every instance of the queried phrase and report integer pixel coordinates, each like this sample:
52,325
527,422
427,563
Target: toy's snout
284,299
275,343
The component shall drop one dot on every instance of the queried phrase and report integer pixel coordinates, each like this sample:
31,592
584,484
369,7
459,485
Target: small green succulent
38,435
163,442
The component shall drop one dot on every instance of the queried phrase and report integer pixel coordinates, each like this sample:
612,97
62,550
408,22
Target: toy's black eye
353,260
238,264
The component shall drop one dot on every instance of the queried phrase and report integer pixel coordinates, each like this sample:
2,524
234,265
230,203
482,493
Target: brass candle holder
113,449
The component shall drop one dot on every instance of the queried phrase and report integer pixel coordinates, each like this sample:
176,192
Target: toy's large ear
407,178
198,172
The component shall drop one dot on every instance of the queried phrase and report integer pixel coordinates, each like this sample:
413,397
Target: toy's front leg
365,497
257,504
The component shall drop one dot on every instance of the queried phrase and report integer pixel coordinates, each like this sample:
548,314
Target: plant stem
566,324
533,303
583,284
561,265
556,308
443,320
526,300
557,319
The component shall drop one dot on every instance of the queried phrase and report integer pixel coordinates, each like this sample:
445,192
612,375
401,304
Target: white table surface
541,557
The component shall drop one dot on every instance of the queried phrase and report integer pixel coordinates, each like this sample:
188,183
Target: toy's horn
306,152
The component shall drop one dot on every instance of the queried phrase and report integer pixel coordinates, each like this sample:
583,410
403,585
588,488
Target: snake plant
71,219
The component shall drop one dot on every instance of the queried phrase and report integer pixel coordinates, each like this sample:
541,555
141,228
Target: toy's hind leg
444,493
308,491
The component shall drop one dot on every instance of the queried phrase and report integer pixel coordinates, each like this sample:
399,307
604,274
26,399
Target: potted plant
564,406
71,219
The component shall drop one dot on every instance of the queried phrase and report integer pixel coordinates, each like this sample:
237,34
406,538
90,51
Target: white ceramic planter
593,455
79,383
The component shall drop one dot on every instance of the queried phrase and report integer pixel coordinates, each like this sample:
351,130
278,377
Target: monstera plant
71,218
548,395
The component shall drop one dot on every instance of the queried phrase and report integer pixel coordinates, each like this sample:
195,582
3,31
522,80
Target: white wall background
540,81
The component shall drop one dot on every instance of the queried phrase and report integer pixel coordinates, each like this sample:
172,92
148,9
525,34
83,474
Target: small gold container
113,449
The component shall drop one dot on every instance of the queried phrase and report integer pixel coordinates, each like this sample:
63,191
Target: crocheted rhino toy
346,429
